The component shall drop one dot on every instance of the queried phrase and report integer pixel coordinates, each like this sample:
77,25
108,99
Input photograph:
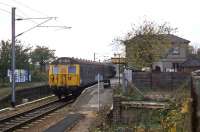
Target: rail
17,121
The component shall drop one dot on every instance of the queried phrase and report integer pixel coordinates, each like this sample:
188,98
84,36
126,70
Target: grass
170,117
132,93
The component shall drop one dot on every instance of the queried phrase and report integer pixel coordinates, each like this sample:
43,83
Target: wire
64,27
29,18
34,27
5,4
8,12
41,13
36,18
26,15
26,6
5,11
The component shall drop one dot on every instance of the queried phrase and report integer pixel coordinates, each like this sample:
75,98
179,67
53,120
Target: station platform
87,104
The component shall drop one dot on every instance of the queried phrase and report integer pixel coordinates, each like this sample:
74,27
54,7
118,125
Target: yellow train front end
64,79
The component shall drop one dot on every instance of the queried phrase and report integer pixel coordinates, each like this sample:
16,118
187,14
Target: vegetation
146,43
178,114
26,58
175,117
22,55
193,52
42,55
102,122
133,93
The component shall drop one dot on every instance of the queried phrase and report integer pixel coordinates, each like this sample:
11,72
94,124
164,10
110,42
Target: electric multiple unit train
70,75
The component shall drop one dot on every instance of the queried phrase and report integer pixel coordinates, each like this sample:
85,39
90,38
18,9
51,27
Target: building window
175,50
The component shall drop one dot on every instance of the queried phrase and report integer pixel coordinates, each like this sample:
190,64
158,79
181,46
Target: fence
160,80
195,93
149,113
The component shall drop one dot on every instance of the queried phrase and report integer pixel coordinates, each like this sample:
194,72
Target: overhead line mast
13,98
13,57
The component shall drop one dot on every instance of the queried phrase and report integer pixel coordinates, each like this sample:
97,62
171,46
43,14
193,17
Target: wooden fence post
116,109
194,121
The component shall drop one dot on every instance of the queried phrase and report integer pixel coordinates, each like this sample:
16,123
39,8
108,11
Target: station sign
20,75
118,60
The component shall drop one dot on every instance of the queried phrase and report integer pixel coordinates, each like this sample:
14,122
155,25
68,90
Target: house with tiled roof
176,55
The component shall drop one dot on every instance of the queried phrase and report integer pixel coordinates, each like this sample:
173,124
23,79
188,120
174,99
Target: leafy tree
42,55
146,44
5,59
22,57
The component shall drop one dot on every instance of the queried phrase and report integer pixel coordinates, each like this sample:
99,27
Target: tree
22,57
192,52
146,44
42,55
5,59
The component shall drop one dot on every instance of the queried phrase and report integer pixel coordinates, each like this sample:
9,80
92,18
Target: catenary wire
28,7
22,12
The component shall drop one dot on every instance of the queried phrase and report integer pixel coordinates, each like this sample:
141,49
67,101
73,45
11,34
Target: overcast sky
95,23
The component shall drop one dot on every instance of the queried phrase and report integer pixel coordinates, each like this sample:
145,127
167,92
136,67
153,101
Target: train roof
71,60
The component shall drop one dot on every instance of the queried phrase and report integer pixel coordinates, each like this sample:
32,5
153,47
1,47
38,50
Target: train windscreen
72,69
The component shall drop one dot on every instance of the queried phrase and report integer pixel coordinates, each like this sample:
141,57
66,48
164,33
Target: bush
37,76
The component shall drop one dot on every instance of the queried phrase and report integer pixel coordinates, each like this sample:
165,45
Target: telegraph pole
13,57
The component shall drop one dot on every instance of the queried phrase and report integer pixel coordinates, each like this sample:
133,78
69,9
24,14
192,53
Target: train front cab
64,79
55,81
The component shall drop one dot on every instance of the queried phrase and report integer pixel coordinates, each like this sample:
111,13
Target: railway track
17,121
